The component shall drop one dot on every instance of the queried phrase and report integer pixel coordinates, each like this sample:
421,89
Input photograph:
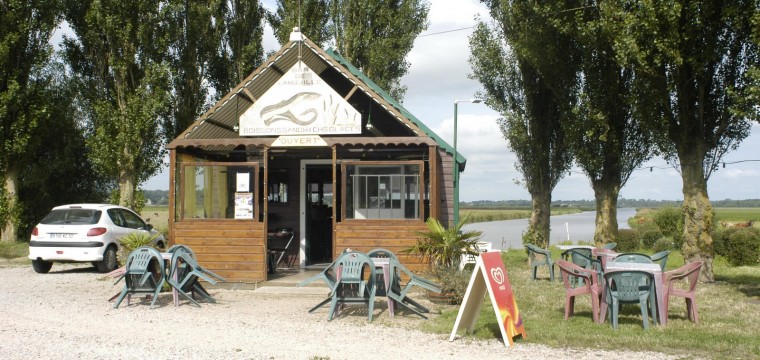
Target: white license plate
61,236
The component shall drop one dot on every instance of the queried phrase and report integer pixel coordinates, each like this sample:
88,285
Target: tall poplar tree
377,35
119,58
25,30
694,59
526,69
310,16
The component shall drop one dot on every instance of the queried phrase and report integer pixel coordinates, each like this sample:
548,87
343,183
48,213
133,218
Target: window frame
254,186
390,163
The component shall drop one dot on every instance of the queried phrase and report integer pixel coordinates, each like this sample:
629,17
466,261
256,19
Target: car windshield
72,216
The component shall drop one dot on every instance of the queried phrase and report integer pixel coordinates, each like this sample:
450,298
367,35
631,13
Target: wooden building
306,142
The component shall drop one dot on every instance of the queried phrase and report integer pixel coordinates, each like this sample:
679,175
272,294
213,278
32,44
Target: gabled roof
218,125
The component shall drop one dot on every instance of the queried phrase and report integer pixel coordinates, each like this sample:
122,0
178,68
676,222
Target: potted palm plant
444,248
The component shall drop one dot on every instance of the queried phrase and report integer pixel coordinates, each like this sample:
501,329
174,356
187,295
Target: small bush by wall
628,240
670,222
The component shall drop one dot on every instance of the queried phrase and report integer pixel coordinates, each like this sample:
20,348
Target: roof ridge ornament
296,35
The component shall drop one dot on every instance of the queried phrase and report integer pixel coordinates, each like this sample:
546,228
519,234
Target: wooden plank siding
446,187
393,235
231,248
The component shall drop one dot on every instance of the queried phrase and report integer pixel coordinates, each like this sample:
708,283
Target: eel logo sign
490,275
300,103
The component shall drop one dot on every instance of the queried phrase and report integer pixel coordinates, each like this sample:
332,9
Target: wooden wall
233,249
446,188
393,235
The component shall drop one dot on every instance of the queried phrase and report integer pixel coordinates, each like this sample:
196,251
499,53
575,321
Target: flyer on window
243,205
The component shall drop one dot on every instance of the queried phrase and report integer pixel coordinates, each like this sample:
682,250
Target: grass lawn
729,311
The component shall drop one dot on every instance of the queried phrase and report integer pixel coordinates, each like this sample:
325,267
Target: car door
119,228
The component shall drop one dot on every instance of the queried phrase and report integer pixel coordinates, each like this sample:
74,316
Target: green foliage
132,241
444,247
377,35
312,18
627,240
742,247
662,244
13,249
649,237
670,221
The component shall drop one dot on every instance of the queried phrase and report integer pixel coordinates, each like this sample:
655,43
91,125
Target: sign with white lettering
300,103
491,275
294,141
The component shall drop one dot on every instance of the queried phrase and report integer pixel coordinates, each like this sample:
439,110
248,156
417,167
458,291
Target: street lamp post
456,162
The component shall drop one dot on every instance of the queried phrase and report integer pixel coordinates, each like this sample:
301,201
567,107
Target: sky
438,75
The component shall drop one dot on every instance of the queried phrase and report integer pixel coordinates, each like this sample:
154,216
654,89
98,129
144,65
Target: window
383,190
219,191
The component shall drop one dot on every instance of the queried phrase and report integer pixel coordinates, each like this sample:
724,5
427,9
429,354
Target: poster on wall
243,205
243,180
490,275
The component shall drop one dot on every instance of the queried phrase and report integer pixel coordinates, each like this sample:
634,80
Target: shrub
133,241
649,237
662,244
720,238
742,247
453,282
627,240
670,222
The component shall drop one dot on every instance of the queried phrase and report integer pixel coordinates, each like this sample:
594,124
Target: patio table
659,291
384,263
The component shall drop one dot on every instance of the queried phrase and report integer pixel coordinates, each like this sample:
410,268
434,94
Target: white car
85,233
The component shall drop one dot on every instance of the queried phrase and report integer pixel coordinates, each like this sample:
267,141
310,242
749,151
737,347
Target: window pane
383,191
210,192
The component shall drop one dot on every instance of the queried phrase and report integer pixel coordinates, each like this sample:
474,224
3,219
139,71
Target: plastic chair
540,257
470,258
401,294
590,285
378,272
690,272
610,246
185,274
633,258
630,287
351,287
145,271
661,258
584,259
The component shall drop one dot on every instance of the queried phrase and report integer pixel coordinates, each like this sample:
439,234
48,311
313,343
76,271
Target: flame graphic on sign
497,275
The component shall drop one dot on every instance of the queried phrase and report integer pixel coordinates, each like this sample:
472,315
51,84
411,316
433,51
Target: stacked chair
186,272
144,274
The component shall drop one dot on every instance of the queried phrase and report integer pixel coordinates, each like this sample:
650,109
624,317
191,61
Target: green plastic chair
610,246
540,257
633,258
661,258
145,272
630,287
350,286
583,258
400,295
378,272
185,274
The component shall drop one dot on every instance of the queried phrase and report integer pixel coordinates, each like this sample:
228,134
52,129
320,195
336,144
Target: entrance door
317,213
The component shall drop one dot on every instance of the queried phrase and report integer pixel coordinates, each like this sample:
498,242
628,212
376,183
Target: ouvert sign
300,103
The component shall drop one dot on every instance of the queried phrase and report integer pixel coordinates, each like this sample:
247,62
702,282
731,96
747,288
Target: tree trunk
10,184
698,218
606,212
127,189
539,225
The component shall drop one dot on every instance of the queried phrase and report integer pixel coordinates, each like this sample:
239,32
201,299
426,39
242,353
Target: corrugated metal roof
218,125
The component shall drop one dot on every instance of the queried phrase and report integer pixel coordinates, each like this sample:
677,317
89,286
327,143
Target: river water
507,234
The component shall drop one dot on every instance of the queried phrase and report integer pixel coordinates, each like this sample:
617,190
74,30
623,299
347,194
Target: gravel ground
64,314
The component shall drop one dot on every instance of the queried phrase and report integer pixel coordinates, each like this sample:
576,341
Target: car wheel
41,266
160,246
109,260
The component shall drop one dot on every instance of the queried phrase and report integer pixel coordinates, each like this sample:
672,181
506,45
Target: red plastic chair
571,272
690,272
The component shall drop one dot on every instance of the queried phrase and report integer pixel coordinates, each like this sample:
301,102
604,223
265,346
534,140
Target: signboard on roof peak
300,103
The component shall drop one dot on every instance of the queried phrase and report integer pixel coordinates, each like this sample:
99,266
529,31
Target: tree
376,35
608,142
525,68
25,30
194,42
694,61
118,56
310,16
240,50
